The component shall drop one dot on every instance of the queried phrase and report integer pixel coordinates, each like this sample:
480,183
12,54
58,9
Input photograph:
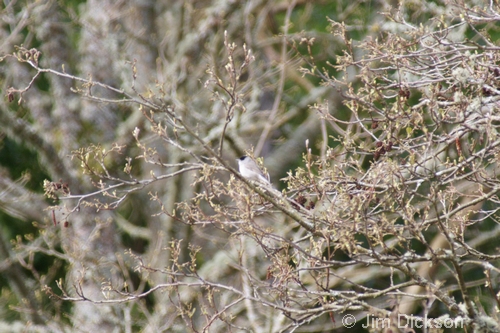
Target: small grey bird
250,170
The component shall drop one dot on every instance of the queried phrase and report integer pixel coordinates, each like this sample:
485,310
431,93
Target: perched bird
250,170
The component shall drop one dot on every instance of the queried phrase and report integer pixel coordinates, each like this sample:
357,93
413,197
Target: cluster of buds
52,188
301,200
382,149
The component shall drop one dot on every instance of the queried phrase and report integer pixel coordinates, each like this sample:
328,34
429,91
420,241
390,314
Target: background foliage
122,210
